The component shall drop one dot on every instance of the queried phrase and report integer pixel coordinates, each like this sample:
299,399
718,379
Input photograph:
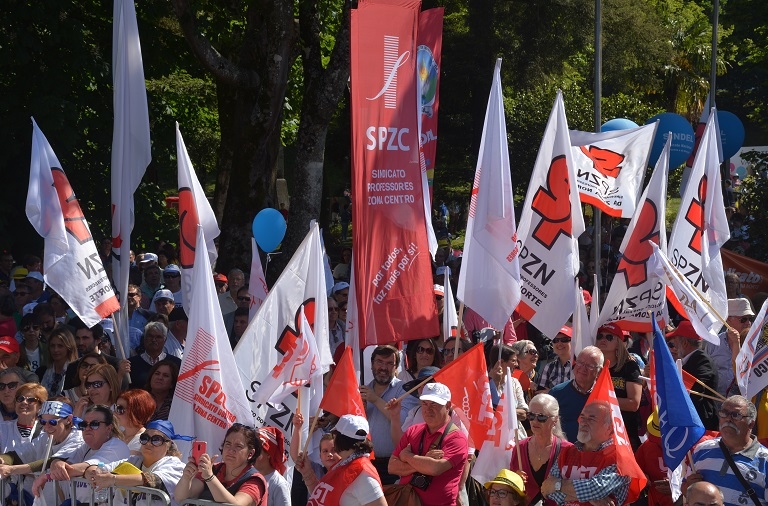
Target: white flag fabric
131,147
274,330
583,334
352,335
636,289
71,262
694,308
294,370
550,224
610,167
489,280
257,283
496,450
450,317
594,309
208,397
194,210
752,358
701,226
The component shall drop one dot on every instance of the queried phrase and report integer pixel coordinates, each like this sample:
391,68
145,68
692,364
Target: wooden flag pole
409,392
311,430
461,327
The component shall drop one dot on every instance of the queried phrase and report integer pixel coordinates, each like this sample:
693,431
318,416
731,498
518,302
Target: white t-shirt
10,437
112,450
34,359
168,469
363,490
278,491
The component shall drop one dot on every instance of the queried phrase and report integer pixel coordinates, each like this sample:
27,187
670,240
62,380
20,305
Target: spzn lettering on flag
535,267
693,273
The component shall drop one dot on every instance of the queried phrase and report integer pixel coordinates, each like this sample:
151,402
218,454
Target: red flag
393,270
467,378
342,396
430,42
626,465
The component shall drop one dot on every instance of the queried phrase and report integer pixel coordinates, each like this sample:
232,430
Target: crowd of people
107,417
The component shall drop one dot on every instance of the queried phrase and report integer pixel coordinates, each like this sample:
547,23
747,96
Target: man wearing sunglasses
740,316
748,457
700,366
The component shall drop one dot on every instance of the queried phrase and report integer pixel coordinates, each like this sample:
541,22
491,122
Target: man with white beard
587,471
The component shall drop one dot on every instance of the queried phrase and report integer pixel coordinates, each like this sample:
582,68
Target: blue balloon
618,124
683,138
269,229
731,133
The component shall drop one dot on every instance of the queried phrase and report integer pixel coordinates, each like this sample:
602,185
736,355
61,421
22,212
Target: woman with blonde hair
534,456
62,351
15,433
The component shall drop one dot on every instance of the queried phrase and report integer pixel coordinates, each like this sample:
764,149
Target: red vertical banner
393,272
430,47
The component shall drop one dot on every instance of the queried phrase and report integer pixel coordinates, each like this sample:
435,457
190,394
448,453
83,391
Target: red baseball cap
684,329
9,344
565,330
612,328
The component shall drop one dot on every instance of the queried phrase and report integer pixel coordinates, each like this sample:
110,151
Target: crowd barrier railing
5,484
203,502
153,496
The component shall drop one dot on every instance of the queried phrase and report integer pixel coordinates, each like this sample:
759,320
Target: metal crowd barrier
203,502
153,496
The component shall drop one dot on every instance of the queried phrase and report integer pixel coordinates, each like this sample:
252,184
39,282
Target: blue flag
679,422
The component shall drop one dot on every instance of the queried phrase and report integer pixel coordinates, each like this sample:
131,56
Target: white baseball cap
353,426
436,392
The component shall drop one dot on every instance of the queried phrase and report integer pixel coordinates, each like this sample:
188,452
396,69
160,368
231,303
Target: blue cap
166,428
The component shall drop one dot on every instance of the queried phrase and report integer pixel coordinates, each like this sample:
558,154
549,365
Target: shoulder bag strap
729,458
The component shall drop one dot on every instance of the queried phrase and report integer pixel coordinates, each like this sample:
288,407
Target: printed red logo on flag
634,261
695,216
286,343
74,220
605,161
553,204
188,221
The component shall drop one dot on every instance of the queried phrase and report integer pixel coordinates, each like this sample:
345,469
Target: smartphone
198,448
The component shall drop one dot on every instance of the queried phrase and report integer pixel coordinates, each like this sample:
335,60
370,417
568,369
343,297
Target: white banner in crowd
257,283
208,397
71,263
610,167
752,360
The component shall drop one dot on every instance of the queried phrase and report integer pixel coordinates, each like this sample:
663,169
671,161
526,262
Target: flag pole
461,326
409,392
298,410
311,430
120,348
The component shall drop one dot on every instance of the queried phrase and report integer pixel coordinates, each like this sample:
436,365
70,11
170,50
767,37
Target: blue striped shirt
709,461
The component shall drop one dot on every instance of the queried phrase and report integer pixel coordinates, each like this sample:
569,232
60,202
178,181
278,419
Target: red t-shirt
253,486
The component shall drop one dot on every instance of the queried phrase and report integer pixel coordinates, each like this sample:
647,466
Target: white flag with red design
467,378
489,280
257,283
610,167
274,331
194,210
497,448
208,397
636,288
450,317
550,225
701,226
296,369
131,146
71,262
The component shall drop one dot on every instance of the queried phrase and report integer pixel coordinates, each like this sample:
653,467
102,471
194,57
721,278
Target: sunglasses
244,299
607,337
134,294
560,340
11,386
733,415
120,410
428,351
532,351
28,400
745,319
439,297
93,384
30,327
156,440
53,423
539,417
671,344
93,425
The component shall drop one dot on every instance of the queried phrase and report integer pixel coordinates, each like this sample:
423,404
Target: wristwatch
558,485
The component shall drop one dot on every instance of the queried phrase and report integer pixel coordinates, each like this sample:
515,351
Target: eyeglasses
501,494
428,351
244,299
53,423
156,440
532,351
588,367
539,417
117,408
560,340
134,294
93,425
30,327
11,386
28,400
93,384
733,415
87,364
607,337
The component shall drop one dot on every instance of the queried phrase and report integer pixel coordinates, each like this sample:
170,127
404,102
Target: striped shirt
710,462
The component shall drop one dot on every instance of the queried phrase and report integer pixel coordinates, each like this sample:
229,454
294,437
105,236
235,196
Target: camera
420,481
